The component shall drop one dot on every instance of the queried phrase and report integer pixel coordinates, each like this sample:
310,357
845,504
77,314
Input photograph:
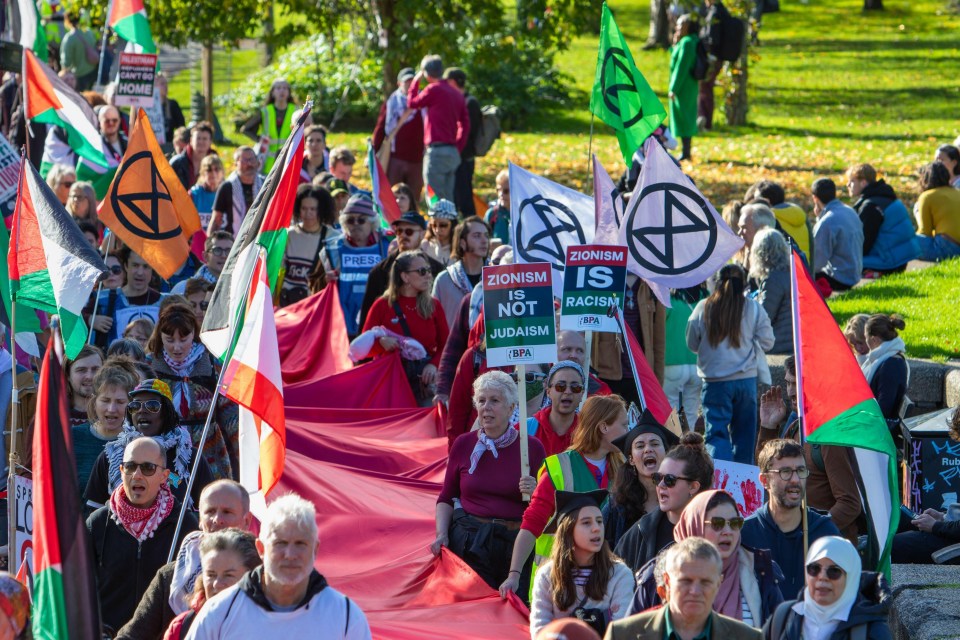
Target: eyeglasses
146,468
718,523
407,231
354,221
833,571
668,479
422,271
116,269
112,121
787,472
153,406
561,387
219,251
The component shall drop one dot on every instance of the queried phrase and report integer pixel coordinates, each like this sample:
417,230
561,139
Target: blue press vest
354,264
896,244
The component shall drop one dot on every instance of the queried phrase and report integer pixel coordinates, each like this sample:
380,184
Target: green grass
927,301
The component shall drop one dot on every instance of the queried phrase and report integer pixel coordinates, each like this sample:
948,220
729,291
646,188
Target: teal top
672,635
676,332
87,446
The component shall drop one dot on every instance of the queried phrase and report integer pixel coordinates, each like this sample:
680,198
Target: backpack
732,32
490,129
701,65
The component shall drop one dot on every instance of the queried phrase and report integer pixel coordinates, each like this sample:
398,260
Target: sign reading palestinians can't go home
518,314
595,278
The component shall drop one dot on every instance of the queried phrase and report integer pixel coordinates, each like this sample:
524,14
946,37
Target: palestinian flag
383,197
27,29
648,387
265,224
52,266
49,100
252,379
65,603
432,198
837,408
129,19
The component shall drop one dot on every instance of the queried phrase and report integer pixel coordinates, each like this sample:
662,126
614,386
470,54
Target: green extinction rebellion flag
621,96
518,314
594,279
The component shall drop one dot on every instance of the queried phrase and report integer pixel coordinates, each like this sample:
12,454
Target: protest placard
9,176
518,314
135,80
742,481
594,279
23,510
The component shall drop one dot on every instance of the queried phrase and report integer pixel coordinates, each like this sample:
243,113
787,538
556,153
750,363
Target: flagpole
615,311
524,445
588,340
590,150
96,300
13,458
103,44
798,360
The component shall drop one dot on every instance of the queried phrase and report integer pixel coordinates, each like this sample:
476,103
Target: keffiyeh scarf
141,522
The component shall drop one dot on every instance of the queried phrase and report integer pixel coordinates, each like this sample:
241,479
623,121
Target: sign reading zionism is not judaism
518,314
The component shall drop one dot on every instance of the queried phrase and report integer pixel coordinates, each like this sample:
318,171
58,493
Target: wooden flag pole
588,339
96,300
13,457
524,447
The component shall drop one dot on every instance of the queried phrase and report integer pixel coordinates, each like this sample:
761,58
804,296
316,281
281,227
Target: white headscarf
819,622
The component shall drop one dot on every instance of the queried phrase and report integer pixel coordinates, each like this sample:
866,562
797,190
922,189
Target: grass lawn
926,300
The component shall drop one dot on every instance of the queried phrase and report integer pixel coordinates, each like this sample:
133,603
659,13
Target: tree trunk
268,31
735,94
873,5
206,79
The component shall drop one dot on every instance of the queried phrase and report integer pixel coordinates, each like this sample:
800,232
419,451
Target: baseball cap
154,386
412,218
359,204
336,186
405,74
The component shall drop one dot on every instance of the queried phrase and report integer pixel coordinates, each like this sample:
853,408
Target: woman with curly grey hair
770,271
481,504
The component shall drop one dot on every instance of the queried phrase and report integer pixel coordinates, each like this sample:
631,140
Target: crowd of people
624,530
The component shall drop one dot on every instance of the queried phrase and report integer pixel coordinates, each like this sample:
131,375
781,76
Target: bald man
223,504
132,534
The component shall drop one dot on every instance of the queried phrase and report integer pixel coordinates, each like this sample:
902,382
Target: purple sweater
493,490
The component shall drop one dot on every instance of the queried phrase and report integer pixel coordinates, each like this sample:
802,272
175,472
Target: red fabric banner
374,475
312,338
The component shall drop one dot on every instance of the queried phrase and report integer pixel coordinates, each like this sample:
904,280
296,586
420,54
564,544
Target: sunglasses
422,271
833,572
442,225
111,121
668,479
407,231
203,305
787,472
116,269
717,523
67,184
146,468
219,251
561,387
153,406
354,221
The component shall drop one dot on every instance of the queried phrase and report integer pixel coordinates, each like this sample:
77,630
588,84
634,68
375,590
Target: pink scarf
141,522
692,523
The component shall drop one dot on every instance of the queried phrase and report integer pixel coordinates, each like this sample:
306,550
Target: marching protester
592,462
686,470
136,289
463,184
555,424
438,240
61,179
635,493
770,270
406,200
316,157
188,165
237,192
749,589
408,308
497,216
133,533
224,506
182,362
403,128
582,578
216,248
150,413
692,576
203,194
81,373
470,247
480,506
681,381
684,89
225,557
285,595
313,223
839,601
198,293
730,334
82,204
270,126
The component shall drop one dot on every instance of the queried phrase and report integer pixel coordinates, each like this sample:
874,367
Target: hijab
819,622
692,522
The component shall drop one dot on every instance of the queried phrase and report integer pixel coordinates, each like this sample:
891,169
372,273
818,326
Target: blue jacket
761,532
767,572
896,244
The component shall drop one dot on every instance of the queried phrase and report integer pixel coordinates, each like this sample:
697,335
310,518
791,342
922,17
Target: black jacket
124,568
870,610
889,385
874,199
644,540
153,613
379,278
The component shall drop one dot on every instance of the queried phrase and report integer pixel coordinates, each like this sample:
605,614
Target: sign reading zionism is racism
518,314
594,280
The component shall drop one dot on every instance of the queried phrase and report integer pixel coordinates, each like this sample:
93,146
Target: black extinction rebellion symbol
139,211
615,67
547,244
691,222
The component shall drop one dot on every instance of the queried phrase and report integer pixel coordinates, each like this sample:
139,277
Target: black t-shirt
474,279
223,202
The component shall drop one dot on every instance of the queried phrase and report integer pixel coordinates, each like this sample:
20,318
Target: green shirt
671,635
676,332
73,53
87,446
